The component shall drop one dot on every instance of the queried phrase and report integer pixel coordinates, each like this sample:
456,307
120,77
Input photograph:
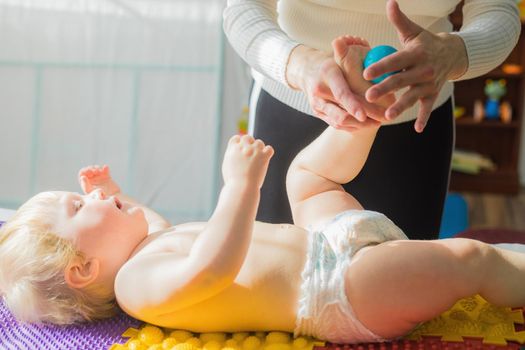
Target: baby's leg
315,176
394,286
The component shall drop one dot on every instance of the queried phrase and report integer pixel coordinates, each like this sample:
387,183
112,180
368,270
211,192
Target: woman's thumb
406,29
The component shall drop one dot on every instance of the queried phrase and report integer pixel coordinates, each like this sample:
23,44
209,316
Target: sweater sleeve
252,29
490,31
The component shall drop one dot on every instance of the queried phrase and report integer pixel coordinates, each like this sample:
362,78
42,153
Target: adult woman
287,43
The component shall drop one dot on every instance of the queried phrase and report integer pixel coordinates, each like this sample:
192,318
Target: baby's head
60,253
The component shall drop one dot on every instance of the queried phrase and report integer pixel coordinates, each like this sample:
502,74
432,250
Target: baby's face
101,227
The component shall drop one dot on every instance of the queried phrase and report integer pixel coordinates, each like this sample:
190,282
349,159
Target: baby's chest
173,243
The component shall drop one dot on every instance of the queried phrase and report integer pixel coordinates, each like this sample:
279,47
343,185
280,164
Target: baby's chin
131,209
135,211
138,213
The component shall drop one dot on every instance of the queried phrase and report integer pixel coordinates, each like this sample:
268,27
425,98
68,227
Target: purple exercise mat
98,335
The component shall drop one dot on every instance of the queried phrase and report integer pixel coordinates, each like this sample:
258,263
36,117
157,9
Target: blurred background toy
512,68
495,90
493,109
478,111
459,111
242,122
521,6
455,216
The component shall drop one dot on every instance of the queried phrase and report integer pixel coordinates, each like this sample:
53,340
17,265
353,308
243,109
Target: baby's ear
80,273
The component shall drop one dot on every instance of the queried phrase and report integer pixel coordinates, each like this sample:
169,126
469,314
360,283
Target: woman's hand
95,177
425,63
317,74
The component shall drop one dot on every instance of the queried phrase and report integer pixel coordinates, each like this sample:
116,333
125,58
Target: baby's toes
340,48
354,40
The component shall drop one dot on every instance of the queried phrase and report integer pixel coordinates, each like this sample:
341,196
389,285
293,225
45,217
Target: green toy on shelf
493,109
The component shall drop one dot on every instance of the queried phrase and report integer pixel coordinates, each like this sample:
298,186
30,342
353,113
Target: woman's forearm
490,31
252,30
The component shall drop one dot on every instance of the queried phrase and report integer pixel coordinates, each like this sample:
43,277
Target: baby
341,273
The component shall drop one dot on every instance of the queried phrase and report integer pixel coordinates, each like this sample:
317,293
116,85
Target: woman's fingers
416,75
373,111
391,63
425,109
332,100
406,29
326,108
341,92
409,98
338,118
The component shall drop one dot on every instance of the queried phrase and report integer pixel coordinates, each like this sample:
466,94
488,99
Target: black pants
405,176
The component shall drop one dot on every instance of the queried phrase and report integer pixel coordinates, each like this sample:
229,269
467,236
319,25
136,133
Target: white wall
148,87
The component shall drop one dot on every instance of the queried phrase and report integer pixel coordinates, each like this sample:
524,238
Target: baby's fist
246,160
95,177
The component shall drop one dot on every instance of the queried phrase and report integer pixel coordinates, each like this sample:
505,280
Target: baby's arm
170,282
221,248
94,177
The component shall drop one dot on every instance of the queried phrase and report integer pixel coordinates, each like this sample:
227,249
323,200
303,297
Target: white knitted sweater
264,32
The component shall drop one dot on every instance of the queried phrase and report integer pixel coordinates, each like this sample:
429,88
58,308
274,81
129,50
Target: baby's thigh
383,291
372,285
398,284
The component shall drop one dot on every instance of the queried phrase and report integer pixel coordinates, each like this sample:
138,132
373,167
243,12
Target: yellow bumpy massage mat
474,317
154,338
470,317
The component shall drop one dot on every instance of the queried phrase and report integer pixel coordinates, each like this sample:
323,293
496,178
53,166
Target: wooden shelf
468,121
499,181
494,139
498,73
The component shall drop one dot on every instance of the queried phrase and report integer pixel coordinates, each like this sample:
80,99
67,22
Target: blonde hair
32,263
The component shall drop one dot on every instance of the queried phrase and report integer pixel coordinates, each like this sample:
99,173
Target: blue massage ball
374,55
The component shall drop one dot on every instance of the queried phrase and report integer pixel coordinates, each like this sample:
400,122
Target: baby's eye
78,205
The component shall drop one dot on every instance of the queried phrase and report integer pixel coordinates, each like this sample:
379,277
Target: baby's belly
265,293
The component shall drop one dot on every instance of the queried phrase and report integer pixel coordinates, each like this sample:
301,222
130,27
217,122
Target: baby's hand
246,161
95,177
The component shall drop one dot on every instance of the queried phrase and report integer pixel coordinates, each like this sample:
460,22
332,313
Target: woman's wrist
298,61
457,53
294,66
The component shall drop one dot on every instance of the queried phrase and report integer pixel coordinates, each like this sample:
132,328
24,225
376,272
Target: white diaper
324,310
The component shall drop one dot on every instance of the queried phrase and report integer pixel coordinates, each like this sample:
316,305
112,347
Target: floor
496,211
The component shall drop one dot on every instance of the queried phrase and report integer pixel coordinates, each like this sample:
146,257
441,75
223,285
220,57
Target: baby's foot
349,53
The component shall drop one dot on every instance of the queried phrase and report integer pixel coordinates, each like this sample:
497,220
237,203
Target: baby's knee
472,258
293,179
469,250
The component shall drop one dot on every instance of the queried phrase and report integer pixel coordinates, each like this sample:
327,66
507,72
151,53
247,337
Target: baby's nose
99,194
